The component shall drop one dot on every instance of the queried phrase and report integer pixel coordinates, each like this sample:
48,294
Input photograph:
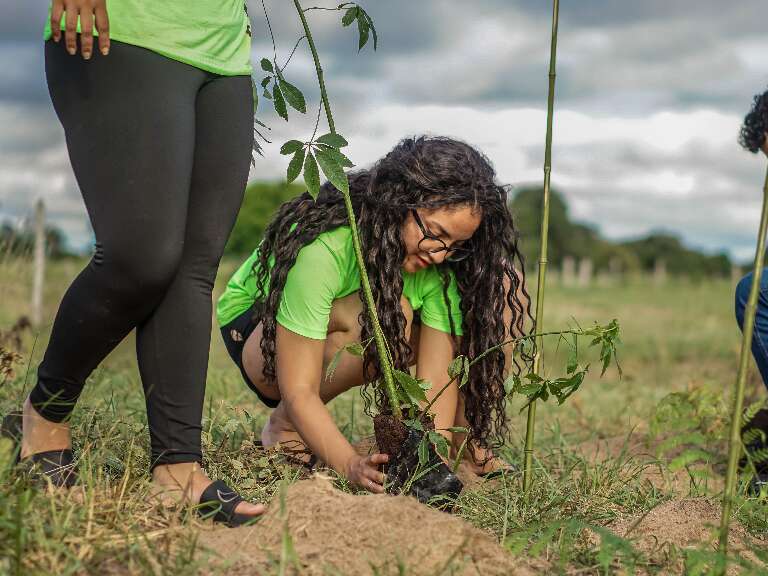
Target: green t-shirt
326,269
213,35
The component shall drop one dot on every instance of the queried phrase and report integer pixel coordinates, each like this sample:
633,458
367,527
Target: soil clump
685,523
336,532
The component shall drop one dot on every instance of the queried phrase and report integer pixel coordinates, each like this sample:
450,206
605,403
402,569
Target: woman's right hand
363,471
88,11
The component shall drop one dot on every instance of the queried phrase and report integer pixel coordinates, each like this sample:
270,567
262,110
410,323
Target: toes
250,509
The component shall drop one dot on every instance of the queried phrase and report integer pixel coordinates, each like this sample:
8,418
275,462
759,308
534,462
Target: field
627,476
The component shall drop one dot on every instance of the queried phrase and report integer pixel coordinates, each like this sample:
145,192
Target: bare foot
186,481
41,435
279,431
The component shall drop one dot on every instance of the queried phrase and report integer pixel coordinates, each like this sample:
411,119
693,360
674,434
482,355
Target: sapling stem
734,443
381,346
531,421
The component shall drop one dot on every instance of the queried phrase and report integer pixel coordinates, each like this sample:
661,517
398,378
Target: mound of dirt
684,523
335,532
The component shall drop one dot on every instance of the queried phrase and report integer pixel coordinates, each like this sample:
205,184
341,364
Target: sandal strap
58,466
218,501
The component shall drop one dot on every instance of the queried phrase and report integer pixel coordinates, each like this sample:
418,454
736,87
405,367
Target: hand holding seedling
88,11
364,472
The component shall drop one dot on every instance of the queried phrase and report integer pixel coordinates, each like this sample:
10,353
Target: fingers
377,459
57,10
70,33
102,27
86,34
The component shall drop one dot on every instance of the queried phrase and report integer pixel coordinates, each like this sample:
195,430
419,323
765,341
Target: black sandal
218,501
54,466
506,468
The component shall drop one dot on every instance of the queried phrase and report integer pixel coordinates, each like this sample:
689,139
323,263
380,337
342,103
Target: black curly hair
752,135
429,172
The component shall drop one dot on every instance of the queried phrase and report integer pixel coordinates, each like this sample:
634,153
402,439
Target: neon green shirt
213,35
325,270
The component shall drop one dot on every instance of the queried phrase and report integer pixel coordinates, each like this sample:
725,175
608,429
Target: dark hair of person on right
752,136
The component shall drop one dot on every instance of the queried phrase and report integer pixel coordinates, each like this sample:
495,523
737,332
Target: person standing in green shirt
441,250
158,118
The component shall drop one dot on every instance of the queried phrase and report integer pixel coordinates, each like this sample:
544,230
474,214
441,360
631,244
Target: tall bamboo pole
734,444
531,422
378,334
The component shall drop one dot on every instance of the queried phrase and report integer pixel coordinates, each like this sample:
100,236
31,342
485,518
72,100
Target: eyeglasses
453,253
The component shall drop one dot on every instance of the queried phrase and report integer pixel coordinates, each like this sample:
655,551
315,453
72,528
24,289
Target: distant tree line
20,241
566,237
577,240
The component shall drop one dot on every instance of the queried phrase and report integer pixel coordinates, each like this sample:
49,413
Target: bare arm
299,373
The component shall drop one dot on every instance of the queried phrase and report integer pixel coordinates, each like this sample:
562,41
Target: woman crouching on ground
441,251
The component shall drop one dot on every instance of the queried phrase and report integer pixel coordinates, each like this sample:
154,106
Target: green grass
676,338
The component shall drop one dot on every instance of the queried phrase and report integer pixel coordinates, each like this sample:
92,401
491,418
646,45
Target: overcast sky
650,96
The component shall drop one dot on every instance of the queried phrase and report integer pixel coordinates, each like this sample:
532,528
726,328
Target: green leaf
338,156
511,383
349,16
373,31
440,443
294,166
333,140
423,451
458,429
280,108
459,367
255,95
291,146
267,94
266,65
362,27
573,357
293,96
411,387
356,349
266,80
311,175
414,423
333,171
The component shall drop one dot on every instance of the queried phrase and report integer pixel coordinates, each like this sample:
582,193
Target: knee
742,295
140,271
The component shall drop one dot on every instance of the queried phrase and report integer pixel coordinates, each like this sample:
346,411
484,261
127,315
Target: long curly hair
428,172
752,134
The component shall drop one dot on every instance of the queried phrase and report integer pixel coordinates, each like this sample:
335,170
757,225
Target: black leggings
161,152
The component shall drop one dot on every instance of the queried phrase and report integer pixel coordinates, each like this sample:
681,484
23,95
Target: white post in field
39,265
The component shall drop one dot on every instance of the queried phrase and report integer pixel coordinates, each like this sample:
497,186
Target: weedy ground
627,479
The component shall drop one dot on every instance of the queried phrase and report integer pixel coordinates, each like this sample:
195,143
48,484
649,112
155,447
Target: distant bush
262,200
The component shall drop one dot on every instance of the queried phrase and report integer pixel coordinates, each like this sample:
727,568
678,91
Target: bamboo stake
734,444
381,346
531,421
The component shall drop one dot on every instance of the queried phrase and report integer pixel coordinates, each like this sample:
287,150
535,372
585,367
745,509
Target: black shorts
235,334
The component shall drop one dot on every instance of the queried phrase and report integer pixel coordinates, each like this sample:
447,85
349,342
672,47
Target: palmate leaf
350,15
333,140
333,171
414,389
363,28
280,108
311,175
336,155
440,442
291,146
293,95
294,166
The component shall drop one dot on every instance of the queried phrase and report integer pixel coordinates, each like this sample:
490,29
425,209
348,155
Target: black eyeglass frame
453,253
